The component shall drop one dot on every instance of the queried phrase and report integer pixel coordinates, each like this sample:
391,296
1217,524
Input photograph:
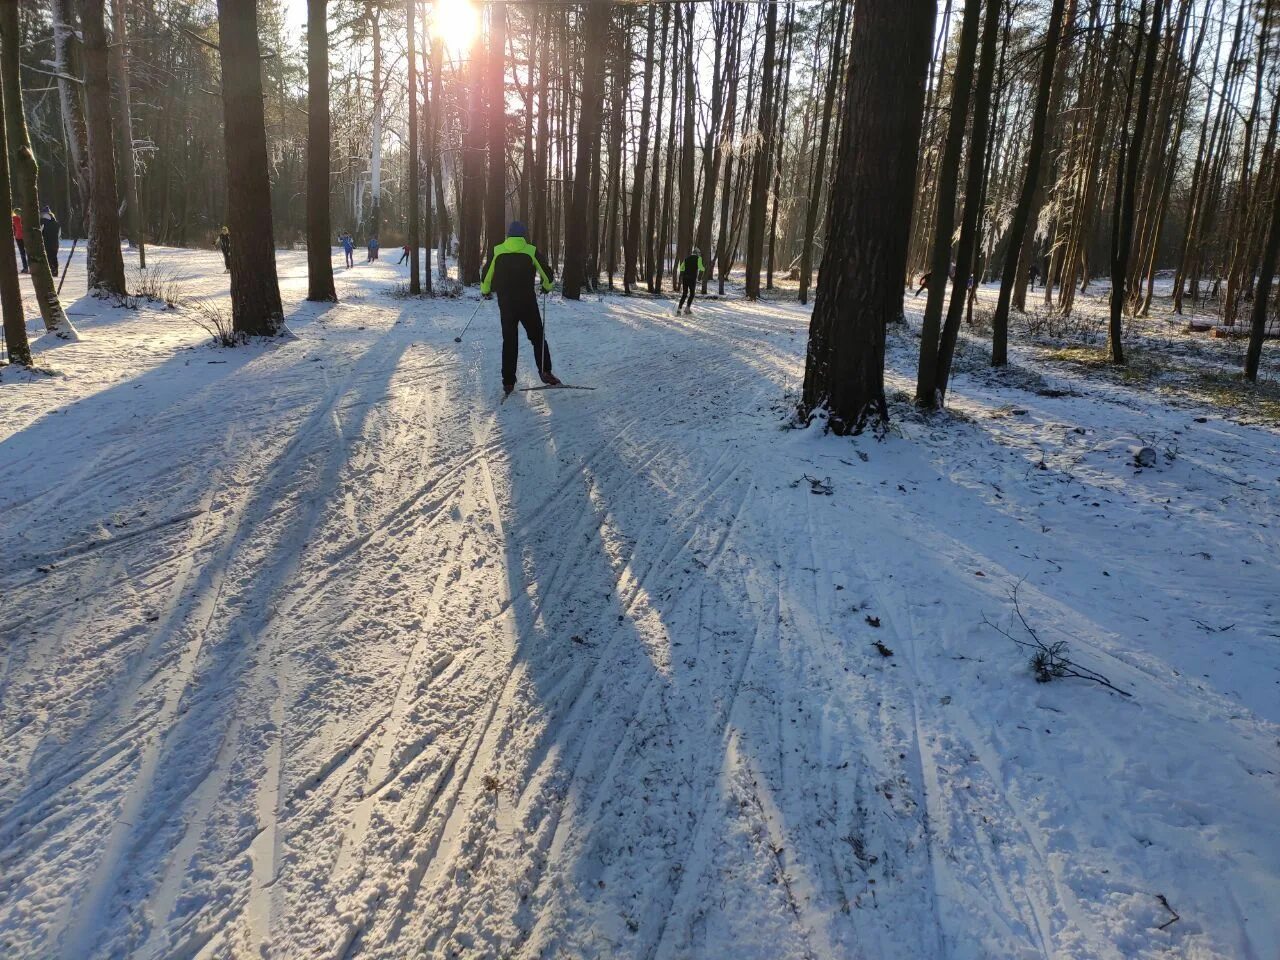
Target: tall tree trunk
595,31
255,290
375,140
968,249
541,186
106,274
11,310
944,215
495,219
631,248
781,100
1127,182
760,174
444,228
415,171
684,229
25,174
133,221
860,285
1022,212
70,103
319,242
653,269
820,163
1262,294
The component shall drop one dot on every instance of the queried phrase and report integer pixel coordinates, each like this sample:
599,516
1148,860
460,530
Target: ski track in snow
314,649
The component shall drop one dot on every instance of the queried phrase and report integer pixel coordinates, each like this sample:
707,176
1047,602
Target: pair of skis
548,386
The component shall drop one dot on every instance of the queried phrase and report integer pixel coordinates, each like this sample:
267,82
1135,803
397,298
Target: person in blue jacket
348,248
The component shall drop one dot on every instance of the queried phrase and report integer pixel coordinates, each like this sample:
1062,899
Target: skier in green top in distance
512,271
690,270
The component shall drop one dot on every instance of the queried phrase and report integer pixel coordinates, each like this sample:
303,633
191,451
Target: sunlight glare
456,23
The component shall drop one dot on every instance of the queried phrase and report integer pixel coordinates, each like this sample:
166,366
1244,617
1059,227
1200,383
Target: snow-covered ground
314,649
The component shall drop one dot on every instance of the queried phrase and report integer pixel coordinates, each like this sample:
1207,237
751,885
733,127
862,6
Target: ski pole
458,338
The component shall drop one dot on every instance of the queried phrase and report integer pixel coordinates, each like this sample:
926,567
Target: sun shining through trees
456,23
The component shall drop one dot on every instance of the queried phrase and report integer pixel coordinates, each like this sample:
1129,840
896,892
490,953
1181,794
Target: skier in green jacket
690,270
512,272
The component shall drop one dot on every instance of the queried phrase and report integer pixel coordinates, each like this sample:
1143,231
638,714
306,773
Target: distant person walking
348,248
17,237
690,270
51,233
373,250
404,254
224,244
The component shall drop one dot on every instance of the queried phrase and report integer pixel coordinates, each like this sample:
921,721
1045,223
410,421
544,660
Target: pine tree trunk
319,242
968,248
1262,294
133,221
684,229
25,174
595,31
944,216
70,103
444,227
653,268
471,207
375,140
11,310
760,174
1127,183
106,273
255,290
631,248
415,171
820,164
1022,212
860,285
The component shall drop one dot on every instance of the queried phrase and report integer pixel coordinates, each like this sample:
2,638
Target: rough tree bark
495,217
944,216
133,222
25,174
595,29
106,264
415,171
860,284
14,317
631,247
255,290
760,174
319,243
1022,212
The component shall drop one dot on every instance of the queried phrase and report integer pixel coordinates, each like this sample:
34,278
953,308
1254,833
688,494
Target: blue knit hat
517,229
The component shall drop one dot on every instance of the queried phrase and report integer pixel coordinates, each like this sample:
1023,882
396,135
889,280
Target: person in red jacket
17,236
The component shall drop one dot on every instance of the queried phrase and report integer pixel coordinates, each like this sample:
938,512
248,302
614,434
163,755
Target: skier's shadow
636,613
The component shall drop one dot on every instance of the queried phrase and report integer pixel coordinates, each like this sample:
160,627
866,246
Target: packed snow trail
315,649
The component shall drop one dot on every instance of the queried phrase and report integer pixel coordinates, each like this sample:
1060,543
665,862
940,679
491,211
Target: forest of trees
833,146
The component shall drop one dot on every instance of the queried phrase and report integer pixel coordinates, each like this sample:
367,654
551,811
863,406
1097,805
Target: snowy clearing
314,649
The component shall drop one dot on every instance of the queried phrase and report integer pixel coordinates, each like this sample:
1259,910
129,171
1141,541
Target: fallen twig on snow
1165,903
1049,661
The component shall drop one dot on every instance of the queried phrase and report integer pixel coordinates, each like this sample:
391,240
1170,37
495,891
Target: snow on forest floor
313,649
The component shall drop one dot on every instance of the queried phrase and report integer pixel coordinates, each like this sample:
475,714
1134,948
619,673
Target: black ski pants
514,317
687,286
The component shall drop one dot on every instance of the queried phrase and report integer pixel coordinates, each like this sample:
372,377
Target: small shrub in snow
215,320
156,284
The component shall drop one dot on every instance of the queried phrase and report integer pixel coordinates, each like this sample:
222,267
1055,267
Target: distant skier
51,233
512,271
404,254
373,249
690,270
348,248
924,282
1033,274
17,237
224,244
